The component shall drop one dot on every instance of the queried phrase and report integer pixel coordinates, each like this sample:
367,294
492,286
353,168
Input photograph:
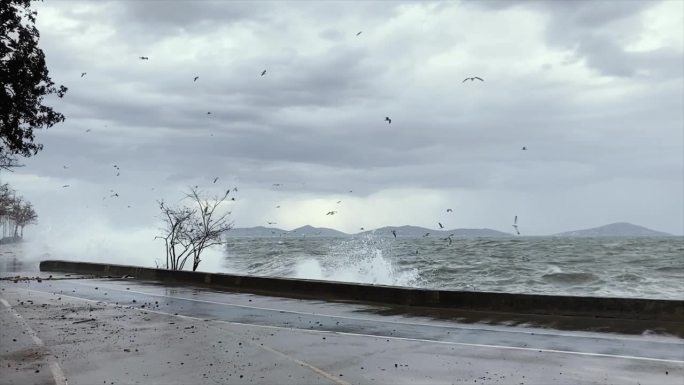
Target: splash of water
360,261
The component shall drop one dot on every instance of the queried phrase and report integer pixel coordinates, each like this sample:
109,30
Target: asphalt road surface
121,331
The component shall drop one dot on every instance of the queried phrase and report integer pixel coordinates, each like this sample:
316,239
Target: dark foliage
25,82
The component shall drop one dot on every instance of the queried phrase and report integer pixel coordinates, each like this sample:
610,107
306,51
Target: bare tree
191,229
23,216
6,198
15,213
7,195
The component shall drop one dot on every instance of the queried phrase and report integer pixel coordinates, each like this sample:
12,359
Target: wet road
193,335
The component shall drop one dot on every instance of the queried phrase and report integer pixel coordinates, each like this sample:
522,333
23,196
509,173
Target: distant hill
621,229
417,232
310,231
402,231
255,232
304,231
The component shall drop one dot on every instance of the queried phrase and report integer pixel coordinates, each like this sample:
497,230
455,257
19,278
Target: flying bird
472,79
358,33
448,239
361,229
83,74
144,58
66,185
272,223
338,202
440,225
195,79
263,73
515,225
278,206
88,130
208,112
450,210
426,234
388,120
394,233
65,166
331,213
524,148
215,179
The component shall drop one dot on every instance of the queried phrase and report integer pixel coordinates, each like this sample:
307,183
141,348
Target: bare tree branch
189,230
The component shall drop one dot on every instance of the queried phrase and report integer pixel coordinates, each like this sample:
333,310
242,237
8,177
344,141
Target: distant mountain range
612,230
620,229
401,231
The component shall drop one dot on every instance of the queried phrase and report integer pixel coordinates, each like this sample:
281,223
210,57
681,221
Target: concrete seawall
600,307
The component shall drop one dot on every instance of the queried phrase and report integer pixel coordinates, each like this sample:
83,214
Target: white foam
356,261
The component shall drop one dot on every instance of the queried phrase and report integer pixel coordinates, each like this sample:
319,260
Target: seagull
144,58
83,74
338,202
362,229
472,79
215,179
394,233
524,148
388,120
515,225
66,185
440,225
331,213
263,73
358,33
195,79
426,234
115,195
450,210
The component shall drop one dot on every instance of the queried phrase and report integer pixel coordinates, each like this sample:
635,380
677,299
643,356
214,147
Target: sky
592,90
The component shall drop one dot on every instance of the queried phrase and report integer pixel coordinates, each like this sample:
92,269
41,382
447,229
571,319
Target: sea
607,267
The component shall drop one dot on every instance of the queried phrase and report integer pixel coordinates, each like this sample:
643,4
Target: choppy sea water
625,267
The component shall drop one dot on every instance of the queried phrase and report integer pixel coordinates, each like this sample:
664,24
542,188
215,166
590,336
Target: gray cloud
599,120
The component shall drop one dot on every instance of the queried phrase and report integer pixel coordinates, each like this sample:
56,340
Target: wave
570,278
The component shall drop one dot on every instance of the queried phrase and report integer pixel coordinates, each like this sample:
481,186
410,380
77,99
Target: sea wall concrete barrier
556,305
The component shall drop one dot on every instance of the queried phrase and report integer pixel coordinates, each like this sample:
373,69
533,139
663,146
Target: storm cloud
593,90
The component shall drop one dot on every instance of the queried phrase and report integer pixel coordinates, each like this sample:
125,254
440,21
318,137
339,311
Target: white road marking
530,349
264,347
463,327
57,374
